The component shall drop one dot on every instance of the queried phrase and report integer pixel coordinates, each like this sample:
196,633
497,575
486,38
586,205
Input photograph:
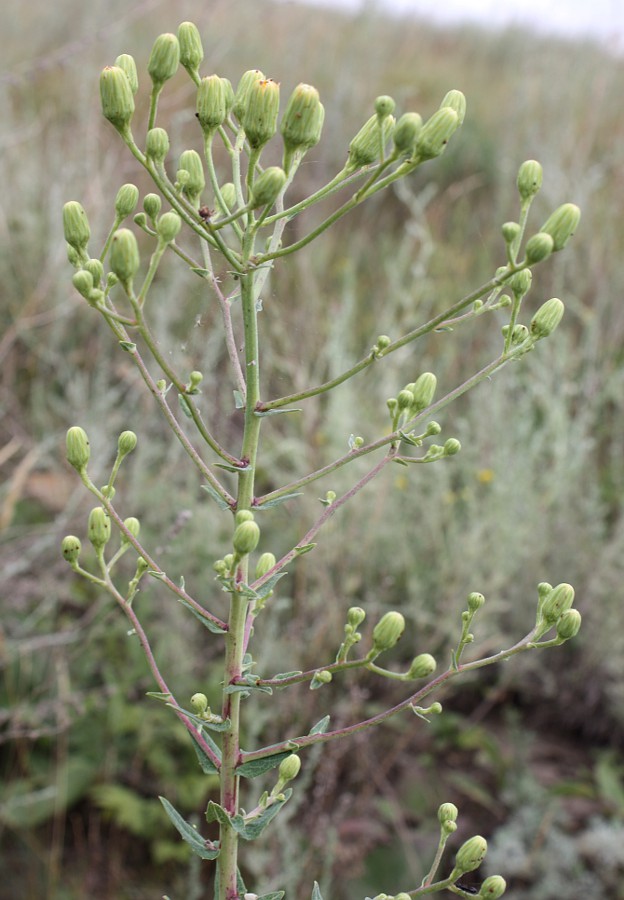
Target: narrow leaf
165,698
268,585
239,400
252,829
274,412
270,504
206,764
127,345
304,549
188,833
203,273
260,766
316,892
321,726
216,496
282,676
275,895
216,813
230,468
210,625
184,406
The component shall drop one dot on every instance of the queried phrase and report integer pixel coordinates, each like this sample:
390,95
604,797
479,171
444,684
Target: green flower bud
70,548
199,703
520,283
212,102
164,59
157,144
510,231
246,537
475,601
134,526
382,342
191,49
562,224
127,64
266,187
190,161
116,97
124,256
558,601
126,443
422,666
266,561
470,855
152,205
451,447
78,449
355,617
433,428
569,624
406,132
126,200
387,632
424,391
240,98
140,219
456,101
447,812
493,888
261,111
95,268
302,122
289,768
529,179
436,133
519,334
83,282
365,148
76,225
168,227
402,896
99,527
547,318
75,257
323,677
244,515
405,399
228,195
538,248
384,106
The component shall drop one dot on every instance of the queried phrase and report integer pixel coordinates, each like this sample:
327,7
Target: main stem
235,638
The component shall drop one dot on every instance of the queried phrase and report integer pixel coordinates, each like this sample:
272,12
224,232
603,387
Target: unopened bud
569,624
261,111
422,666
424,391
70,548
384,106
302,122
436,133
547,318
447,812
199,702
191,50
406,132
126,200
164,59
475,601
128,65
244,515
266,561
116,97
529,179
267,187
539,247
510,231
212,106
451,447
124,256
228,194
365,148
289,768
240,98
562,224
99,527
126,443
355,617
456,101
168,226
492,888
246,537
558,601
152,205
83,282
133,525
471,854
78,449
387,632
76,225
157,144
405,399
95,268
520,283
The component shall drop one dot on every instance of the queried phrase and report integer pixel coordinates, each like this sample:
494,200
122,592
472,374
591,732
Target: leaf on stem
260,766
321,726
316,892
210,625
251,829
188,833
248,683
205,763
216,496
274,895
230,468
273,412
269,504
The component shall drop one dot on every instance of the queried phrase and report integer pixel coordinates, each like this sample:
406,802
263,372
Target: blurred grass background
529,752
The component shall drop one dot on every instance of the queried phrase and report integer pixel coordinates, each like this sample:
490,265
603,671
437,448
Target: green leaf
251,829
235,469
203,273
249,683
321,726
274,895
210,625
188,833
274,412
415,442
216,813
260,766
127,345
216,496
304,549
316,892
164,698
270,504
239,400
268,585
184,406
206,764
282,676
202,723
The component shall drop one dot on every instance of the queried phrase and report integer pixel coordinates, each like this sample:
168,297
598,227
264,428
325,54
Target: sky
602,19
